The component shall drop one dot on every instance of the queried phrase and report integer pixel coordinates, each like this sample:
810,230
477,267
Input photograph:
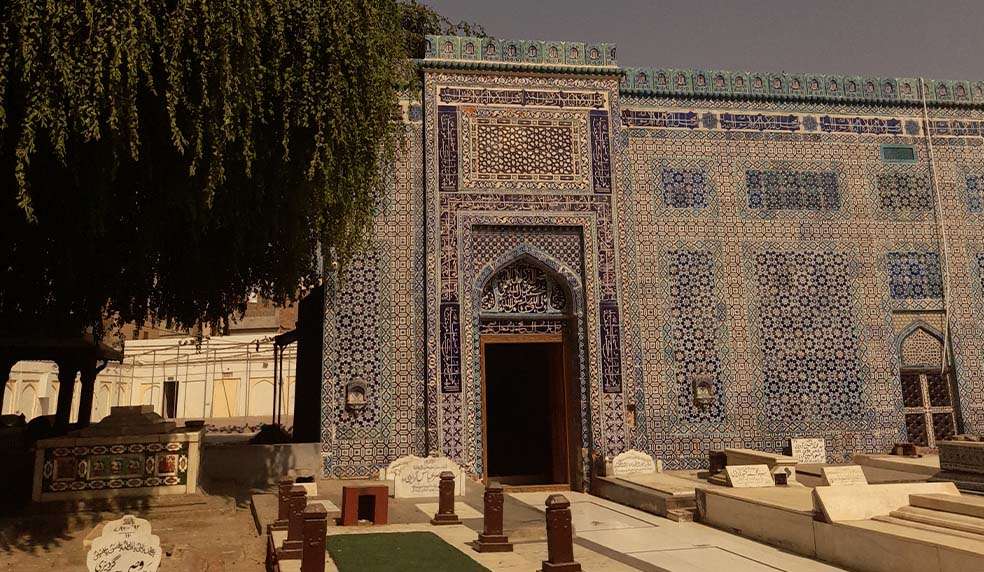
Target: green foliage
418,20
164,158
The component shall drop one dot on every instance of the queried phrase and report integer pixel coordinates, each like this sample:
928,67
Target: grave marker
415,477
633,462
809,450
125,544
843,475
749,476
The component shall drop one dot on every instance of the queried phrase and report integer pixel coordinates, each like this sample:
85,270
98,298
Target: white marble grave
843,475
417,477
749,476
809,451
126,544
633,462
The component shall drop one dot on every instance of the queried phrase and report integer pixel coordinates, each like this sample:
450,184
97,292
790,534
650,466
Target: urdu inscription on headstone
634,462
749,476
843,475
126,545
809,451
415,477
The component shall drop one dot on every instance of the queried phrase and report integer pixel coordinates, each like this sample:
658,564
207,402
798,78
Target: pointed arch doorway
529,401
929,397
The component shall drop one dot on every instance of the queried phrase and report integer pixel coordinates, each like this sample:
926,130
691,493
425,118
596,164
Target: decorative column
492,539
445,508
560,539
315,527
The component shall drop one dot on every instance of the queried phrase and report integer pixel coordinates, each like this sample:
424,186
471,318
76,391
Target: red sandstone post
314,530
560,539
492,539
295,524
445,508
283,504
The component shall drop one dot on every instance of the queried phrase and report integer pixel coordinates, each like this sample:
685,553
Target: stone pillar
66,387
492,539
88,372
445,509
560,539
295,523
315,528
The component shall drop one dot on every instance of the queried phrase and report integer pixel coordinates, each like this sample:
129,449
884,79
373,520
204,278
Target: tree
418,20
164,158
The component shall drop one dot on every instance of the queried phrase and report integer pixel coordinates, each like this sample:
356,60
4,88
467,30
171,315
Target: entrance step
969,505
941,519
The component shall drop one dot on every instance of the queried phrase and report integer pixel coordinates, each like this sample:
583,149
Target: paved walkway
648,542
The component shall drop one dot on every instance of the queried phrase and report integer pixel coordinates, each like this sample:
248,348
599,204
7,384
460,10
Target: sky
939,39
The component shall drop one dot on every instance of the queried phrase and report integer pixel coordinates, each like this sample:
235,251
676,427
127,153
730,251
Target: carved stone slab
844,475
416,477
961,456
809,450
633,462
126,544
749,476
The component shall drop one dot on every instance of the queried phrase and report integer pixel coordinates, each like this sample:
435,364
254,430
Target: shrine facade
573,259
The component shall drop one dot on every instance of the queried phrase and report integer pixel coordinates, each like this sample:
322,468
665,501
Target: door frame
561,421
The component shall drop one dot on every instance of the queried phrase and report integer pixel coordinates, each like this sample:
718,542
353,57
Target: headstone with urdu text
633,462
416,477
809,451
843,475
125,545
749,476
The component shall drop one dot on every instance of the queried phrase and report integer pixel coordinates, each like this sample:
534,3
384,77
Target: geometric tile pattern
811,342
901,193
685,188
695,333
914,275
740,264
975,185
793,190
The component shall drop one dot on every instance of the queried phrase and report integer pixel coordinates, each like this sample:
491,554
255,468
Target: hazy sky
942,39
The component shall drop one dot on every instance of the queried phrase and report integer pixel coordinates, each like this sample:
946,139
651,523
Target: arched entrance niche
928,393
529,320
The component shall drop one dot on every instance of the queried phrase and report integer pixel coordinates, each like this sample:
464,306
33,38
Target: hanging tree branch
165,157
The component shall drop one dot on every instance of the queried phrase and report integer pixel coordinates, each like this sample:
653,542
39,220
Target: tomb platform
962,463
927,465
133,452
899,527
670,493
811,475
774,461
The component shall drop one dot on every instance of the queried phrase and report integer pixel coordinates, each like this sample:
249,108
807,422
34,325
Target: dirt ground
212,533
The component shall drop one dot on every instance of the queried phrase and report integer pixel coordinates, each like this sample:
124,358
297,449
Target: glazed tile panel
809,258
750,256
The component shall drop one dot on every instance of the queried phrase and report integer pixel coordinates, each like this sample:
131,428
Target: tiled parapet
492,51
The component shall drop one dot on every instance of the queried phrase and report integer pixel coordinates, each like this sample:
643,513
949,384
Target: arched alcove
928,393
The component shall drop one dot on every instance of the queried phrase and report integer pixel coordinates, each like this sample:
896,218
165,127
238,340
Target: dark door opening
525,412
